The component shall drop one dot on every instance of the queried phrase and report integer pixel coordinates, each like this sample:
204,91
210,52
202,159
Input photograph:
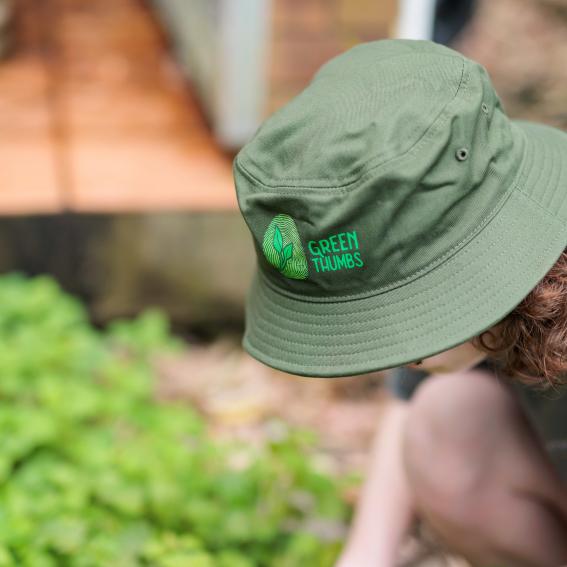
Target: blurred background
136,431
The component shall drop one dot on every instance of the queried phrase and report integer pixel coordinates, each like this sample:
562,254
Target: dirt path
243,399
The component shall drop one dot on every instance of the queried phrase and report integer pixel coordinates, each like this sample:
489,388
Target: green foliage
95,472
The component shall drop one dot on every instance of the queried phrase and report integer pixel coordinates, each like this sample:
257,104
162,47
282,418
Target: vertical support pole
415,19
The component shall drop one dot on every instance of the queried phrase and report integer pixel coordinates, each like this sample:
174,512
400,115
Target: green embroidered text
336,252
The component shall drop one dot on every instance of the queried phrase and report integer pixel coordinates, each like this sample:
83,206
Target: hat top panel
358,185
362,108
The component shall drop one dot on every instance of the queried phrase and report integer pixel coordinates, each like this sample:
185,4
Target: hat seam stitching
394,315
323,69
514,185
331,355
241,208
430,131
416,275
523,175
539,205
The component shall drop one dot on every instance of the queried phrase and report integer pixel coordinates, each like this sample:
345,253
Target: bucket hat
396,211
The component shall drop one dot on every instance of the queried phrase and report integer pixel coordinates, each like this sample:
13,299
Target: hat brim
470,292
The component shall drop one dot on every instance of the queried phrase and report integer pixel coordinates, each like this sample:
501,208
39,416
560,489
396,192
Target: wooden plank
28,176
135,136
29,181
149,173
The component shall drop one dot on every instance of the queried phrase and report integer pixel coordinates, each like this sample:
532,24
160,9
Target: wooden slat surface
109,125
28,158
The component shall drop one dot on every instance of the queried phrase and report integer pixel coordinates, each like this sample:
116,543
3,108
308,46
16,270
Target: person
387,506
399,215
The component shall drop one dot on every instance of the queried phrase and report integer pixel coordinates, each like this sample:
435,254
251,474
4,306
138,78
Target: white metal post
415,19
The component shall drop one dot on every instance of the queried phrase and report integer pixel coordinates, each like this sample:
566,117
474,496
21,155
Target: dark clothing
451,18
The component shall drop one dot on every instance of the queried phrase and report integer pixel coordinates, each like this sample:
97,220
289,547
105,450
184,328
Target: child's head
531,342
397,211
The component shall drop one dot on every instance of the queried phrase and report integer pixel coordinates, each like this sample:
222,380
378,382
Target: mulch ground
244,399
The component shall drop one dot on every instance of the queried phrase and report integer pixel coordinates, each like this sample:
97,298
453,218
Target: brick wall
306,33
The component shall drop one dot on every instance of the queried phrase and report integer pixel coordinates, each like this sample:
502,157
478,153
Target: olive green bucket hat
396,211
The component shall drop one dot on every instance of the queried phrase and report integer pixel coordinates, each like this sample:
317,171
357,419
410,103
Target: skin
480,475
500,502
457,359
377,531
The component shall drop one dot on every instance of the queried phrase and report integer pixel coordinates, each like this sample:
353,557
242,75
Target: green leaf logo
278,239
282,248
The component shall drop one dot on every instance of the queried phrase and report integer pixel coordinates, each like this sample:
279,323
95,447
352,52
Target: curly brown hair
530,344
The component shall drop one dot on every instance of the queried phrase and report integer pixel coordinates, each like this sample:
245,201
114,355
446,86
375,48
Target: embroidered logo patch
282,248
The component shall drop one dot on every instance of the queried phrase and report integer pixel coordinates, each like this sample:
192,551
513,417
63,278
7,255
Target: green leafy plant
94,471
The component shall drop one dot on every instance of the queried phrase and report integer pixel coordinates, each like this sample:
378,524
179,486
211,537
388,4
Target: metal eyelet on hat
484,107
462,154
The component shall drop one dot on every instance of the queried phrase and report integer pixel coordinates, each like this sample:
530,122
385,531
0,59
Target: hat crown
369,104
366,167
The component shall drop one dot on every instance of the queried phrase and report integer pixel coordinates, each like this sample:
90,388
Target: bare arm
385,510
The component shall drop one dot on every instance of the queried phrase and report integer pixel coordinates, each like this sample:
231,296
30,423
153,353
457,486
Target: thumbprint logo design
282,248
